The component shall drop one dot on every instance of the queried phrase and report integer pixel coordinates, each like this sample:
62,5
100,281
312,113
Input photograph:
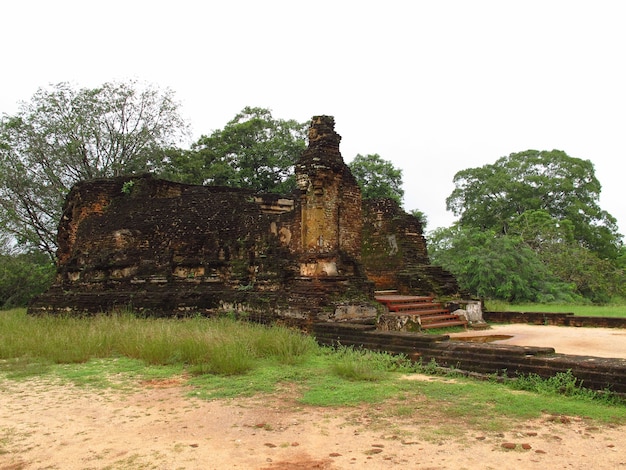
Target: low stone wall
557,319
594,372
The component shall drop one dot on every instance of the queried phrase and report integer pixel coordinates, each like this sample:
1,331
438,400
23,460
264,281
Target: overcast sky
433,86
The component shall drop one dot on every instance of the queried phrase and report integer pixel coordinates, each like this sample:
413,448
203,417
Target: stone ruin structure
171,249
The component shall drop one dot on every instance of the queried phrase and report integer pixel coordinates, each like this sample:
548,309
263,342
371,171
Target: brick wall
394,252
595,372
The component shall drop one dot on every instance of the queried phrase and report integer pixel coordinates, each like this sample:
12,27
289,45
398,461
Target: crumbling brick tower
327,243
330,201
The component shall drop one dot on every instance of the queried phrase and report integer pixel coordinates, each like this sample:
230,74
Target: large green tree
254,150
64,135
378,178
492,265
553,240
495,195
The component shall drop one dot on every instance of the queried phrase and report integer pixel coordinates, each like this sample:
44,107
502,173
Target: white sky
433,86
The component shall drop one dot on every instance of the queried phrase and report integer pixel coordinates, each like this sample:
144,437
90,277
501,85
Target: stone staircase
414,313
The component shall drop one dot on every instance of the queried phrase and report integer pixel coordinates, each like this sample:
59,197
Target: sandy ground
600,342
158,425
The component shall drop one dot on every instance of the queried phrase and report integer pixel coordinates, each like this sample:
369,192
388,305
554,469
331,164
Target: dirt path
58,426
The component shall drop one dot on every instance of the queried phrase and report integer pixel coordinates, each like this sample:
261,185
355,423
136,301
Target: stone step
438,318
394,307
398,299
444,324
421,312
385,292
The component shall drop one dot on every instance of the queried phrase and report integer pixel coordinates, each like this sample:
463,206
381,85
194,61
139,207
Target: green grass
221,358
612,310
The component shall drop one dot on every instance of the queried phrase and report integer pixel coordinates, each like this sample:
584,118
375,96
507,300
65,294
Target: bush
23,277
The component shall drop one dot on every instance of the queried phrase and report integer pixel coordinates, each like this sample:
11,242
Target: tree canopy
531,229
495,266
254,150
378,178
495,195
64,135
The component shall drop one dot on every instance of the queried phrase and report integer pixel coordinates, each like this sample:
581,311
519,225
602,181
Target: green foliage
283,344
64,135
617,310
362,364
334,390
421,216
253,151
496,266
544,203
127,187
494,196
219,346
562,383
226,357
377,178
553,240
22,277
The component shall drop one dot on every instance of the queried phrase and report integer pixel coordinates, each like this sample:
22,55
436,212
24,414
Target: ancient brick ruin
166,248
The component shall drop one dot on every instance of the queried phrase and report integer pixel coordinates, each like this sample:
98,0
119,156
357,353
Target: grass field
224,358
581,310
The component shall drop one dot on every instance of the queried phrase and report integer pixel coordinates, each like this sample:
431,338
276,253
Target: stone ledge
488,359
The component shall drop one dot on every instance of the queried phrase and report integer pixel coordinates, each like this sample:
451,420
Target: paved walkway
599,342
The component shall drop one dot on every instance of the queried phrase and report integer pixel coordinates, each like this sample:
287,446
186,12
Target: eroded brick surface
166,248
395,255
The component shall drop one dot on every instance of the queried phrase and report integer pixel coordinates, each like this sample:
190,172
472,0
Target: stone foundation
486,359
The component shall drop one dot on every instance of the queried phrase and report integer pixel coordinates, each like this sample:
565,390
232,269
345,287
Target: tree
377,178
23,276
253,151
65,135
496,266
566,188
594,278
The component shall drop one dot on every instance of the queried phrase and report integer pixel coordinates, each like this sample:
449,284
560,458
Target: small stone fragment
509,445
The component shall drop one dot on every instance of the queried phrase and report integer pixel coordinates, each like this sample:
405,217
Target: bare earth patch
44,425
600,342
